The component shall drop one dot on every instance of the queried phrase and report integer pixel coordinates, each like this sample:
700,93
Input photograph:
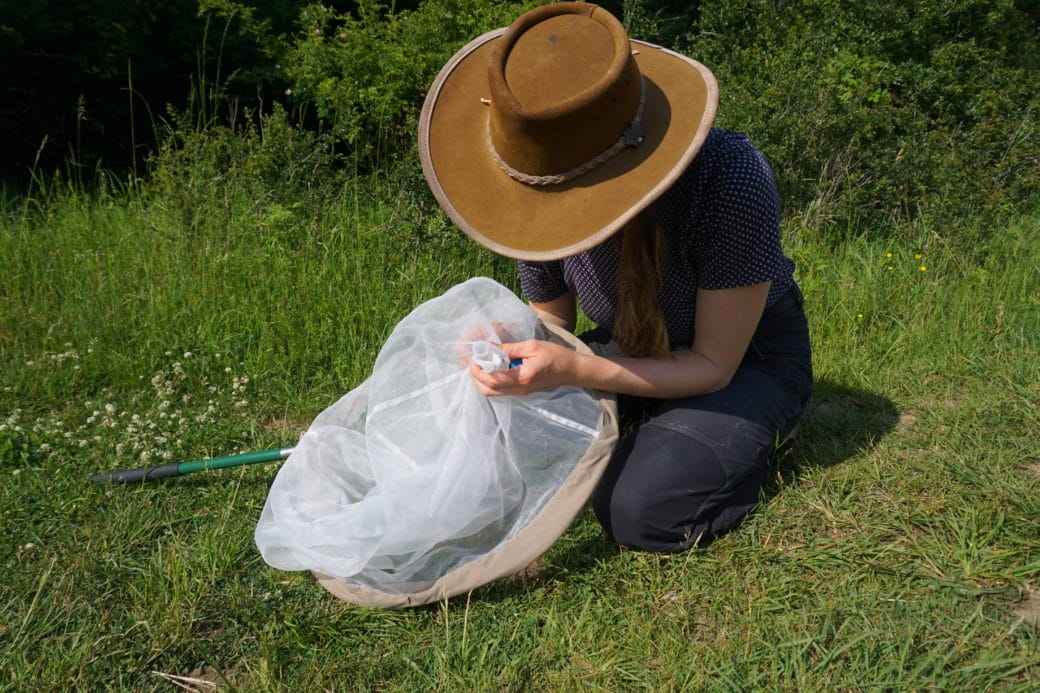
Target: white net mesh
415,473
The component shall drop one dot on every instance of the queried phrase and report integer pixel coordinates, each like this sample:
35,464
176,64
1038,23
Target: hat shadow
841,423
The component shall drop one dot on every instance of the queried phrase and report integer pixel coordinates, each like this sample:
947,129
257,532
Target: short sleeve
740,241
541,282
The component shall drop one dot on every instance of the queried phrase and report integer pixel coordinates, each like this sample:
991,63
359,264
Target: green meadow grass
897,546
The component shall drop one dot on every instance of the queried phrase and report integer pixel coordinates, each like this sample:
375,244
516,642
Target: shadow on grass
577,552
841,423
216,477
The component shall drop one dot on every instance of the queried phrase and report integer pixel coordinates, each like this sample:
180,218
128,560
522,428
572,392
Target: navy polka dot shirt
721,223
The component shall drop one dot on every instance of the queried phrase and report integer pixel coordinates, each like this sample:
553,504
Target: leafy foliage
871,110
878,110
267,160
367,72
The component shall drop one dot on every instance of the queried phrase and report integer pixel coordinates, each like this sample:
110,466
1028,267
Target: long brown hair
639,327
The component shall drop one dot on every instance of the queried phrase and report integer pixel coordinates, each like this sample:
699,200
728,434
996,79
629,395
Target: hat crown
564,87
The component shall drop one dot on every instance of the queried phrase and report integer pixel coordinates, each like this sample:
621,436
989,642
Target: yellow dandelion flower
889,268
922,268
888,255
859,316
918,256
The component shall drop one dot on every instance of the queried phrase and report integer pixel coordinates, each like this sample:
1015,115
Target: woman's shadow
841,423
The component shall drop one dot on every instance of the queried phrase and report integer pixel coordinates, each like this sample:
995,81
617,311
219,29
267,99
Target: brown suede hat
542,139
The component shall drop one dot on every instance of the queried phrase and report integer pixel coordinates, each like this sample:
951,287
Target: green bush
267,159
879,110
870,111
367,72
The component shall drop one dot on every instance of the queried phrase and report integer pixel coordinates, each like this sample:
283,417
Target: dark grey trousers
690,469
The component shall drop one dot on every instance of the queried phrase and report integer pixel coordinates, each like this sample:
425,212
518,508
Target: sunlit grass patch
895,546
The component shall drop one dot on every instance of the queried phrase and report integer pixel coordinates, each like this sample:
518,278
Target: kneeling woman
592,161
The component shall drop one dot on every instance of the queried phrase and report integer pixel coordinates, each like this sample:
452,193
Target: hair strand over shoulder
639,327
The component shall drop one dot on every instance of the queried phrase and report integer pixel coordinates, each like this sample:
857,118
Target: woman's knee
668,488
656,488
635,522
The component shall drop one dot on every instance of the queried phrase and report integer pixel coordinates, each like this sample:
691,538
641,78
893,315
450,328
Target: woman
592,161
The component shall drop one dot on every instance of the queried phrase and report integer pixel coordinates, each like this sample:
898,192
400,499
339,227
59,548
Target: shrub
882,110
367,72
267,164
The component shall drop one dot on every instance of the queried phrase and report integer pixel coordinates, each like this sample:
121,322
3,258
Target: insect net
414,486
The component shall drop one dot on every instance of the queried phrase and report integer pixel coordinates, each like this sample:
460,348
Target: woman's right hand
543,365
491,333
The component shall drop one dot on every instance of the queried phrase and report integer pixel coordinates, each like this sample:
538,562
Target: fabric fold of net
414,487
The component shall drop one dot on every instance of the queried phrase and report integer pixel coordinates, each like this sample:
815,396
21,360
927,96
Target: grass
897,546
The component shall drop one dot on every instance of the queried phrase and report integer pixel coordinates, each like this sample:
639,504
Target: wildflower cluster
185,399
49,359
918,260
895,274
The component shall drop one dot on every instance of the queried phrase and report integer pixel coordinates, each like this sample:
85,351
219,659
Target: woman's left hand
544,365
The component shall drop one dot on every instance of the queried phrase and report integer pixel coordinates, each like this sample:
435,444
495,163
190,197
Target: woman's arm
564,309
724,323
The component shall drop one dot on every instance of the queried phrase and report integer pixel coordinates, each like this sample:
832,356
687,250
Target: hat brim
550,222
